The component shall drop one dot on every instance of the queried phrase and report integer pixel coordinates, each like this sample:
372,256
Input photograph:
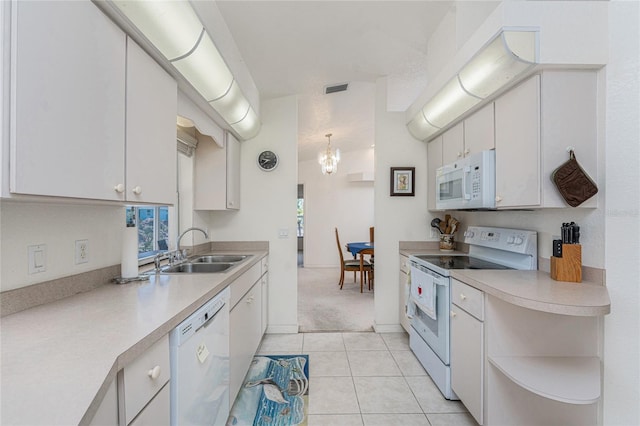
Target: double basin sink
205,264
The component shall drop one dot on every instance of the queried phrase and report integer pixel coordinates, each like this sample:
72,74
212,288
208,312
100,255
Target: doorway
300,227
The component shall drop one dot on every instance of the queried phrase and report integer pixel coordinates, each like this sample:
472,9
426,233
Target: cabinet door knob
459,154
154,373
119,188
462,296
466,151
498,198
453,314
137,190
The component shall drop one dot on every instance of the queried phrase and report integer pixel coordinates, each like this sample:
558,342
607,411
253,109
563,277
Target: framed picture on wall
403,181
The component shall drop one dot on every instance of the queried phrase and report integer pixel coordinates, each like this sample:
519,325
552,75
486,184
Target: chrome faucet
187,230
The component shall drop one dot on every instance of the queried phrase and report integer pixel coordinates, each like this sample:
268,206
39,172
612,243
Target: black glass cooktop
460,262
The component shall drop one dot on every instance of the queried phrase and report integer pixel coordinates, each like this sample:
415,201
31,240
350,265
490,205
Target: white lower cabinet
244,336
404,292
467,348
157,413
141,382
247,321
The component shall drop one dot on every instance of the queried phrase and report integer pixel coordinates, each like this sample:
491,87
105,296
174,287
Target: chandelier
329,159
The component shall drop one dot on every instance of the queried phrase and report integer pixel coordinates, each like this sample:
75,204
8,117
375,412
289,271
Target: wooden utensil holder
569,266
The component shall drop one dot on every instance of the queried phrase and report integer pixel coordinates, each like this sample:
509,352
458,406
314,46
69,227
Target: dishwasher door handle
207,322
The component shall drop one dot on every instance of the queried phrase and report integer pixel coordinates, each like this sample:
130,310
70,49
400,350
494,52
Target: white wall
622,217
268,204
57,226
333,201
396,218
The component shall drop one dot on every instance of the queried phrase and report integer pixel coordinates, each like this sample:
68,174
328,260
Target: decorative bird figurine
271,390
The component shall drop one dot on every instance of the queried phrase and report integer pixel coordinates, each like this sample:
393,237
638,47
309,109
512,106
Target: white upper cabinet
474,134
479,134
94,116
217,175
453,144
67,137
518,146
151,130
535,124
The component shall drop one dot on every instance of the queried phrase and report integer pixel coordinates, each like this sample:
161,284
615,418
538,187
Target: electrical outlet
82,251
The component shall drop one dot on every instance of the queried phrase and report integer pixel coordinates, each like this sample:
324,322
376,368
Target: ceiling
299,47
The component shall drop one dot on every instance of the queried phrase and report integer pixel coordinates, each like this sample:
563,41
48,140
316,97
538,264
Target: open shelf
572,380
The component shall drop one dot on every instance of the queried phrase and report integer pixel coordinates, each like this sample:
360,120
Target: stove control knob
469,234
511,240
518,241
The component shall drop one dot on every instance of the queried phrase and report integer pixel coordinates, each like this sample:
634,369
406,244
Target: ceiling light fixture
329,159
501,62
175,30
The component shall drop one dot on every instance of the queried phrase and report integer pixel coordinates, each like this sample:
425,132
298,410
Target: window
300,217
153,230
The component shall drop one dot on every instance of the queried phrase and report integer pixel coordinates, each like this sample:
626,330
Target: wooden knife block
569,266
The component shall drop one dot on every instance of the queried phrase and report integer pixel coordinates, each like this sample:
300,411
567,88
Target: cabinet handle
119,188
453,314
137,190
462,296
154,373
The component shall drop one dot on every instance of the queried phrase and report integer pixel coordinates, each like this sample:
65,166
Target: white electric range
429,302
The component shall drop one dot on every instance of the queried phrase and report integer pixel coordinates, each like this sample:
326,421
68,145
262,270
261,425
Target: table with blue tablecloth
356,248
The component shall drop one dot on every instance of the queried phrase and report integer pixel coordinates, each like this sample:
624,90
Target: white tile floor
367,379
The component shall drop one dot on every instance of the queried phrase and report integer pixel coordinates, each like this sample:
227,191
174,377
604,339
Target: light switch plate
283,233
37,256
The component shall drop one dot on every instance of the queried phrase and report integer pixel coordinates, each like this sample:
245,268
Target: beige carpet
322,306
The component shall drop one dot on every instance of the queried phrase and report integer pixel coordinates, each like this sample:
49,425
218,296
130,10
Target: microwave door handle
465,171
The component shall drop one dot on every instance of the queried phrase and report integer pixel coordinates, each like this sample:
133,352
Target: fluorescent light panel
499,63
155,19
206,70
176,31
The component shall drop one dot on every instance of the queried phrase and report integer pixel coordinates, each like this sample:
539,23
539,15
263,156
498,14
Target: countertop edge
600,307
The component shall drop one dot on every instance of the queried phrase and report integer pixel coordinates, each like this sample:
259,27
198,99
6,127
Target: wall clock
268,160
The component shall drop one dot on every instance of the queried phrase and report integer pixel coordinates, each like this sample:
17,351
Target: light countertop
58,359
538,291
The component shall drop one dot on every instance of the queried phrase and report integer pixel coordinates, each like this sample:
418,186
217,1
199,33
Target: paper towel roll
129,266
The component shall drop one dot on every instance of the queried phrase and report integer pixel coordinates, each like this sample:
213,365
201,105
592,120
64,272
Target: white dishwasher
200,365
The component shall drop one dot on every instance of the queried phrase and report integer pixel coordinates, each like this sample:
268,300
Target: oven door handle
437,279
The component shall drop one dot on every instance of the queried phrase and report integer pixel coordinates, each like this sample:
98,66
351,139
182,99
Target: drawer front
145,376
468,298
244,282
157,413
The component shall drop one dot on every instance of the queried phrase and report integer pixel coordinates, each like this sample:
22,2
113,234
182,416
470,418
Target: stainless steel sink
217,258
195,268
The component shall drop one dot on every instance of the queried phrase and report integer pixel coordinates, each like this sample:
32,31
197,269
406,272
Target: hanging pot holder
573,183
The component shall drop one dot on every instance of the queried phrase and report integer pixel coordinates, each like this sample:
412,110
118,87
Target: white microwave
469,183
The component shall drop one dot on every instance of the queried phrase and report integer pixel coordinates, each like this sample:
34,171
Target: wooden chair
351,265
363,262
